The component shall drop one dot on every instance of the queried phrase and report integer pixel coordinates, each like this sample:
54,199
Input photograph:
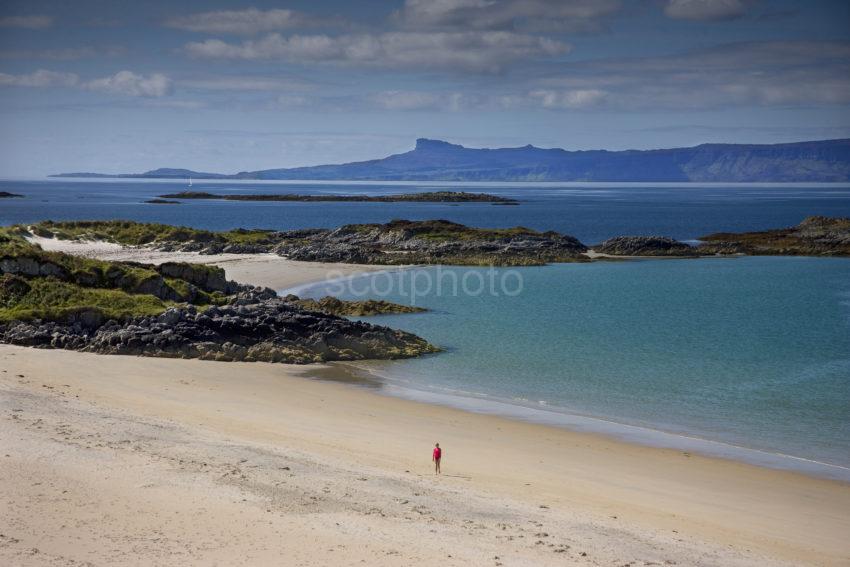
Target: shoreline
77,419
563,418
268,270
172,450
295,277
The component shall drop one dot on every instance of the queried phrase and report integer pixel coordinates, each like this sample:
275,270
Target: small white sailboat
190,182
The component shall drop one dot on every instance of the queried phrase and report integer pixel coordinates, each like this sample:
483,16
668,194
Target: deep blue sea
590,212
744,357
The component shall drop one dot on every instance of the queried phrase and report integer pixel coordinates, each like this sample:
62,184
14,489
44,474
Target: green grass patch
54,300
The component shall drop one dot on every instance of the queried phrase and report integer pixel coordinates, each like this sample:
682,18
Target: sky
226,86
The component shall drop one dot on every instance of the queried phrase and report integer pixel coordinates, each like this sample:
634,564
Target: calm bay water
751,352
591,212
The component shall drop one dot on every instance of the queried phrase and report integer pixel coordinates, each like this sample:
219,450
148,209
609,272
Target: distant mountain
435,160
161,173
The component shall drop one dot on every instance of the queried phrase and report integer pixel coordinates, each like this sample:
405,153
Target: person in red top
436,456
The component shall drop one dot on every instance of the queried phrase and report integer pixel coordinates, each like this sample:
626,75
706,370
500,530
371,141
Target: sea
745,358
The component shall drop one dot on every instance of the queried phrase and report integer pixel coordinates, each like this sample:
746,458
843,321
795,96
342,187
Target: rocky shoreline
404,242
399,242
178,310
645,246
256,326
175,309
815,236
344,308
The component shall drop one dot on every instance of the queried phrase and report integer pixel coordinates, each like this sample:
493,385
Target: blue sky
226,86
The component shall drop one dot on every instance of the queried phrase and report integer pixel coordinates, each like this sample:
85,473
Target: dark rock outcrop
32,266
7,195
432,242
644,246
255,326
208,278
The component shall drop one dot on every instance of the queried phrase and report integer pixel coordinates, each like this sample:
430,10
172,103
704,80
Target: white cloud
178,104
129,83
244,22
62,54
40,78
291,101
407,100
404,100
579,98
245,83
398,100
778,73
26,22
486,51
122,82
561,15
705,10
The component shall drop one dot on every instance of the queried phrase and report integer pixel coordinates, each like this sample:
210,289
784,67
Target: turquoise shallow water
750,352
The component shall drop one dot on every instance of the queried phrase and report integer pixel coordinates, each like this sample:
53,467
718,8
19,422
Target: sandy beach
124,460
268,270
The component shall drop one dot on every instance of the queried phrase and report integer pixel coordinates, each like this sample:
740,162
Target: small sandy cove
112,460
258,269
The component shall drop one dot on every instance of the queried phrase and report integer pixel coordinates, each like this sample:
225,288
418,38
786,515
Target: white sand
259,269
123,460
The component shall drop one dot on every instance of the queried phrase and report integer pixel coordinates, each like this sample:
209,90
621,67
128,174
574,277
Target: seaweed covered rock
360,308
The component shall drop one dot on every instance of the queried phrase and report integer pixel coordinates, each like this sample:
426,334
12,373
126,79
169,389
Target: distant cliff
435,160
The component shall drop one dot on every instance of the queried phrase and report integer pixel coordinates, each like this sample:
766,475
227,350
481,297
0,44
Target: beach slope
124,460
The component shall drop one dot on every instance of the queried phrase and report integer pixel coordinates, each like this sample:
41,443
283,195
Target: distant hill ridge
436,160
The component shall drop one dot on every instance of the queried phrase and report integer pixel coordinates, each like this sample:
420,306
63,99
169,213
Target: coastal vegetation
130,233
426,197
406,242
398,242
55,300
38,284
174,309
815,236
